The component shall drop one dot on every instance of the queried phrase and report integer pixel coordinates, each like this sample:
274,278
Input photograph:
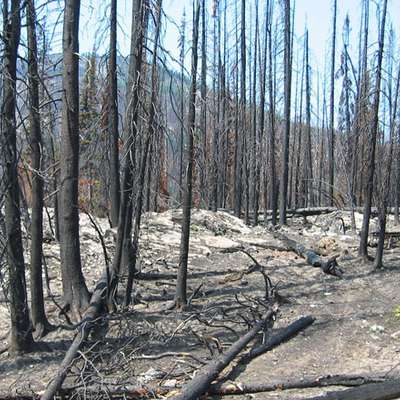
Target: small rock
170,383
377,328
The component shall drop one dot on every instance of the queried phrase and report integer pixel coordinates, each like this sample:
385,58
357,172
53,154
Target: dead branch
169,354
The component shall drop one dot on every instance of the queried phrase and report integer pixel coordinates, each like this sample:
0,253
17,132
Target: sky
315,14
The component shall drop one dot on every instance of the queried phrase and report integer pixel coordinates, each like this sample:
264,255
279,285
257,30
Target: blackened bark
181,289
21,335
387,173
39,320
363,250
309,197
124,249
113,118
273,186
331,160
287,90
255,140
203,105
239,168
76,294
145,154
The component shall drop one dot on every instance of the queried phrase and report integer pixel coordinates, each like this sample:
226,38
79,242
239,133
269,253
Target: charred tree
363,249
21,334
286,134
124,247
76,294
242,117
113,117
145,155
271,113
203,104
181,284
331,153
39,320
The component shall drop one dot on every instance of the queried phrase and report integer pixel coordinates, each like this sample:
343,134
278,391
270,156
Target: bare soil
355,332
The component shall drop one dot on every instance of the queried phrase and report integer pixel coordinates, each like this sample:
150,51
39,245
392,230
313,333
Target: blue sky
316,14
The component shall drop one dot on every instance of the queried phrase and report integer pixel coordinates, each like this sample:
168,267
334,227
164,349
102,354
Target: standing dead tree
113,117
331,154
287,107
363,249
21,336
181,284
39,320
124,248
76,294
145,155
386,173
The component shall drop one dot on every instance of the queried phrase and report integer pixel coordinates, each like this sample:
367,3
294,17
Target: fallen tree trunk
206,375
314,211
375,391
329,266
330,380
235,388
287,333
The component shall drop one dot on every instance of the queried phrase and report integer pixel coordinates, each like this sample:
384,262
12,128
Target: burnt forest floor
356,330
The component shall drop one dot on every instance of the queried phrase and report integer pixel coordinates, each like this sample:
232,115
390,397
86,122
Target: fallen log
287,333
153,276
235,388
206,375
238,388
329,266
312,211
375,391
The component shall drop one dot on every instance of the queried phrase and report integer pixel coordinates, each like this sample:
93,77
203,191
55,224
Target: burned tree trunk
329,266
331,160
203,105
113,118
286,135
239,151
76,294
271,113
145,155
363,249
124,248
21,336
39,320
181,292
